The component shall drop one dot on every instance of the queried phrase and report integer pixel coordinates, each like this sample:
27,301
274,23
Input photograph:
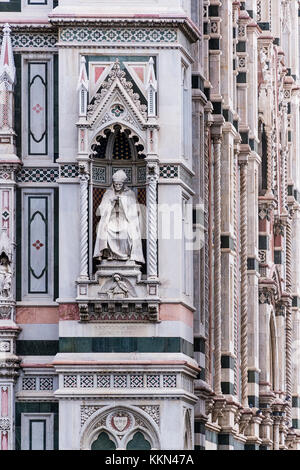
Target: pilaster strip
217,261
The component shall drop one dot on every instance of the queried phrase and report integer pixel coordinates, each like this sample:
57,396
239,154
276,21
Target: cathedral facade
150,225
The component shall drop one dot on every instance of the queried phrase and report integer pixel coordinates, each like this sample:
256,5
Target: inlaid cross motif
37,108
38,245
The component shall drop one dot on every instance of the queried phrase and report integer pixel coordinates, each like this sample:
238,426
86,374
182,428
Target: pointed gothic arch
102,421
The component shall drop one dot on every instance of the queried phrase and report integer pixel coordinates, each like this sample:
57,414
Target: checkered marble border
69,171
169,171
173,171
33,40
118,35
50,175
47,175
37,175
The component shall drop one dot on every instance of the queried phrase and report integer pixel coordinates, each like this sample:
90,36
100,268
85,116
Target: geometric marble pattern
122,381
153,381
33,40
86,381
136,381
70,381
69,171
37,175
29,383
103,381
119,35
46,383
168,171
169,381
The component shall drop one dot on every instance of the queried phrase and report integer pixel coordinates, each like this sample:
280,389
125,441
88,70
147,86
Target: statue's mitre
120,176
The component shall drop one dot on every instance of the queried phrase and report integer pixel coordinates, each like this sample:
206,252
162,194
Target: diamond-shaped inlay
169,381
103,381
86,381
29,383
46,383
5,215
70,381
136,381
120,381
153,381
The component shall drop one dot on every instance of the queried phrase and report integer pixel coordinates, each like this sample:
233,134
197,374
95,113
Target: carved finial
7,65
151,86
151,79
83,80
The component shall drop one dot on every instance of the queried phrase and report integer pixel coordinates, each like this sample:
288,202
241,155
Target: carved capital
266,295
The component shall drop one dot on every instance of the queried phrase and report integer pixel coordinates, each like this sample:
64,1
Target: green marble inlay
36,348
12,5
35,407
119,344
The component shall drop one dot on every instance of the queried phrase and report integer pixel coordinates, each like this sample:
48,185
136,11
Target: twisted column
152,176
284,179
289,323
206,221
269,163
244,283
84,181
236,273
217,263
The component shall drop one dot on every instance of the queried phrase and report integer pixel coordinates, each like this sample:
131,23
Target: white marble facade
196,102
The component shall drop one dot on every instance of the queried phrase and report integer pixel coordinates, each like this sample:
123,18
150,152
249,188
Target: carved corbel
218,408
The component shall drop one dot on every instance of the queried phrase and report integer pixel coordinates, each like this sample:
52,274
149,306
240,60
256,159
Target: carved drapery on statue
119,234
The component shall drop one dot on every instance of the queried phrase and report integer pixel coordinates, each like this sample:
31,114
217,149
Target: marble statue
119,232
5,276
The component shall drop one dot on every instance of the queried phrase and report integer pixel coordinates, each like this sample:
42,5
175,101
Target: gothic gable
117,101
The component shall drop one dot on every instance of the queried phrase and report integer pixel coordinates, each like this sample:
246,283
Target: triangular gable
98,72
115,88
116,108
138,71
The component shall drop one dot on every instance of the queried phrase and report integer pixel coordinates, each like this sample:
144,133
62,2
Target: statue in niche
5,276
119,232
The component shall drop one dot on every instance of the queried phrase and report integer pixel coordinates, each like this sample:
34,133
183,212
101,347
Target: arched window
117,144
103,442
138,442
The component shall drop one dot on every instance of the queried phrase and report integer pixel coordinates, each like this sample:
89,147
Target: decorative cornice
182,22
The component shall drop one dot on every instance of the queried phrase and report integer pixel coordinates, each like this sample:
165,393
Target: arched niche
113,148
140,431
188,438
